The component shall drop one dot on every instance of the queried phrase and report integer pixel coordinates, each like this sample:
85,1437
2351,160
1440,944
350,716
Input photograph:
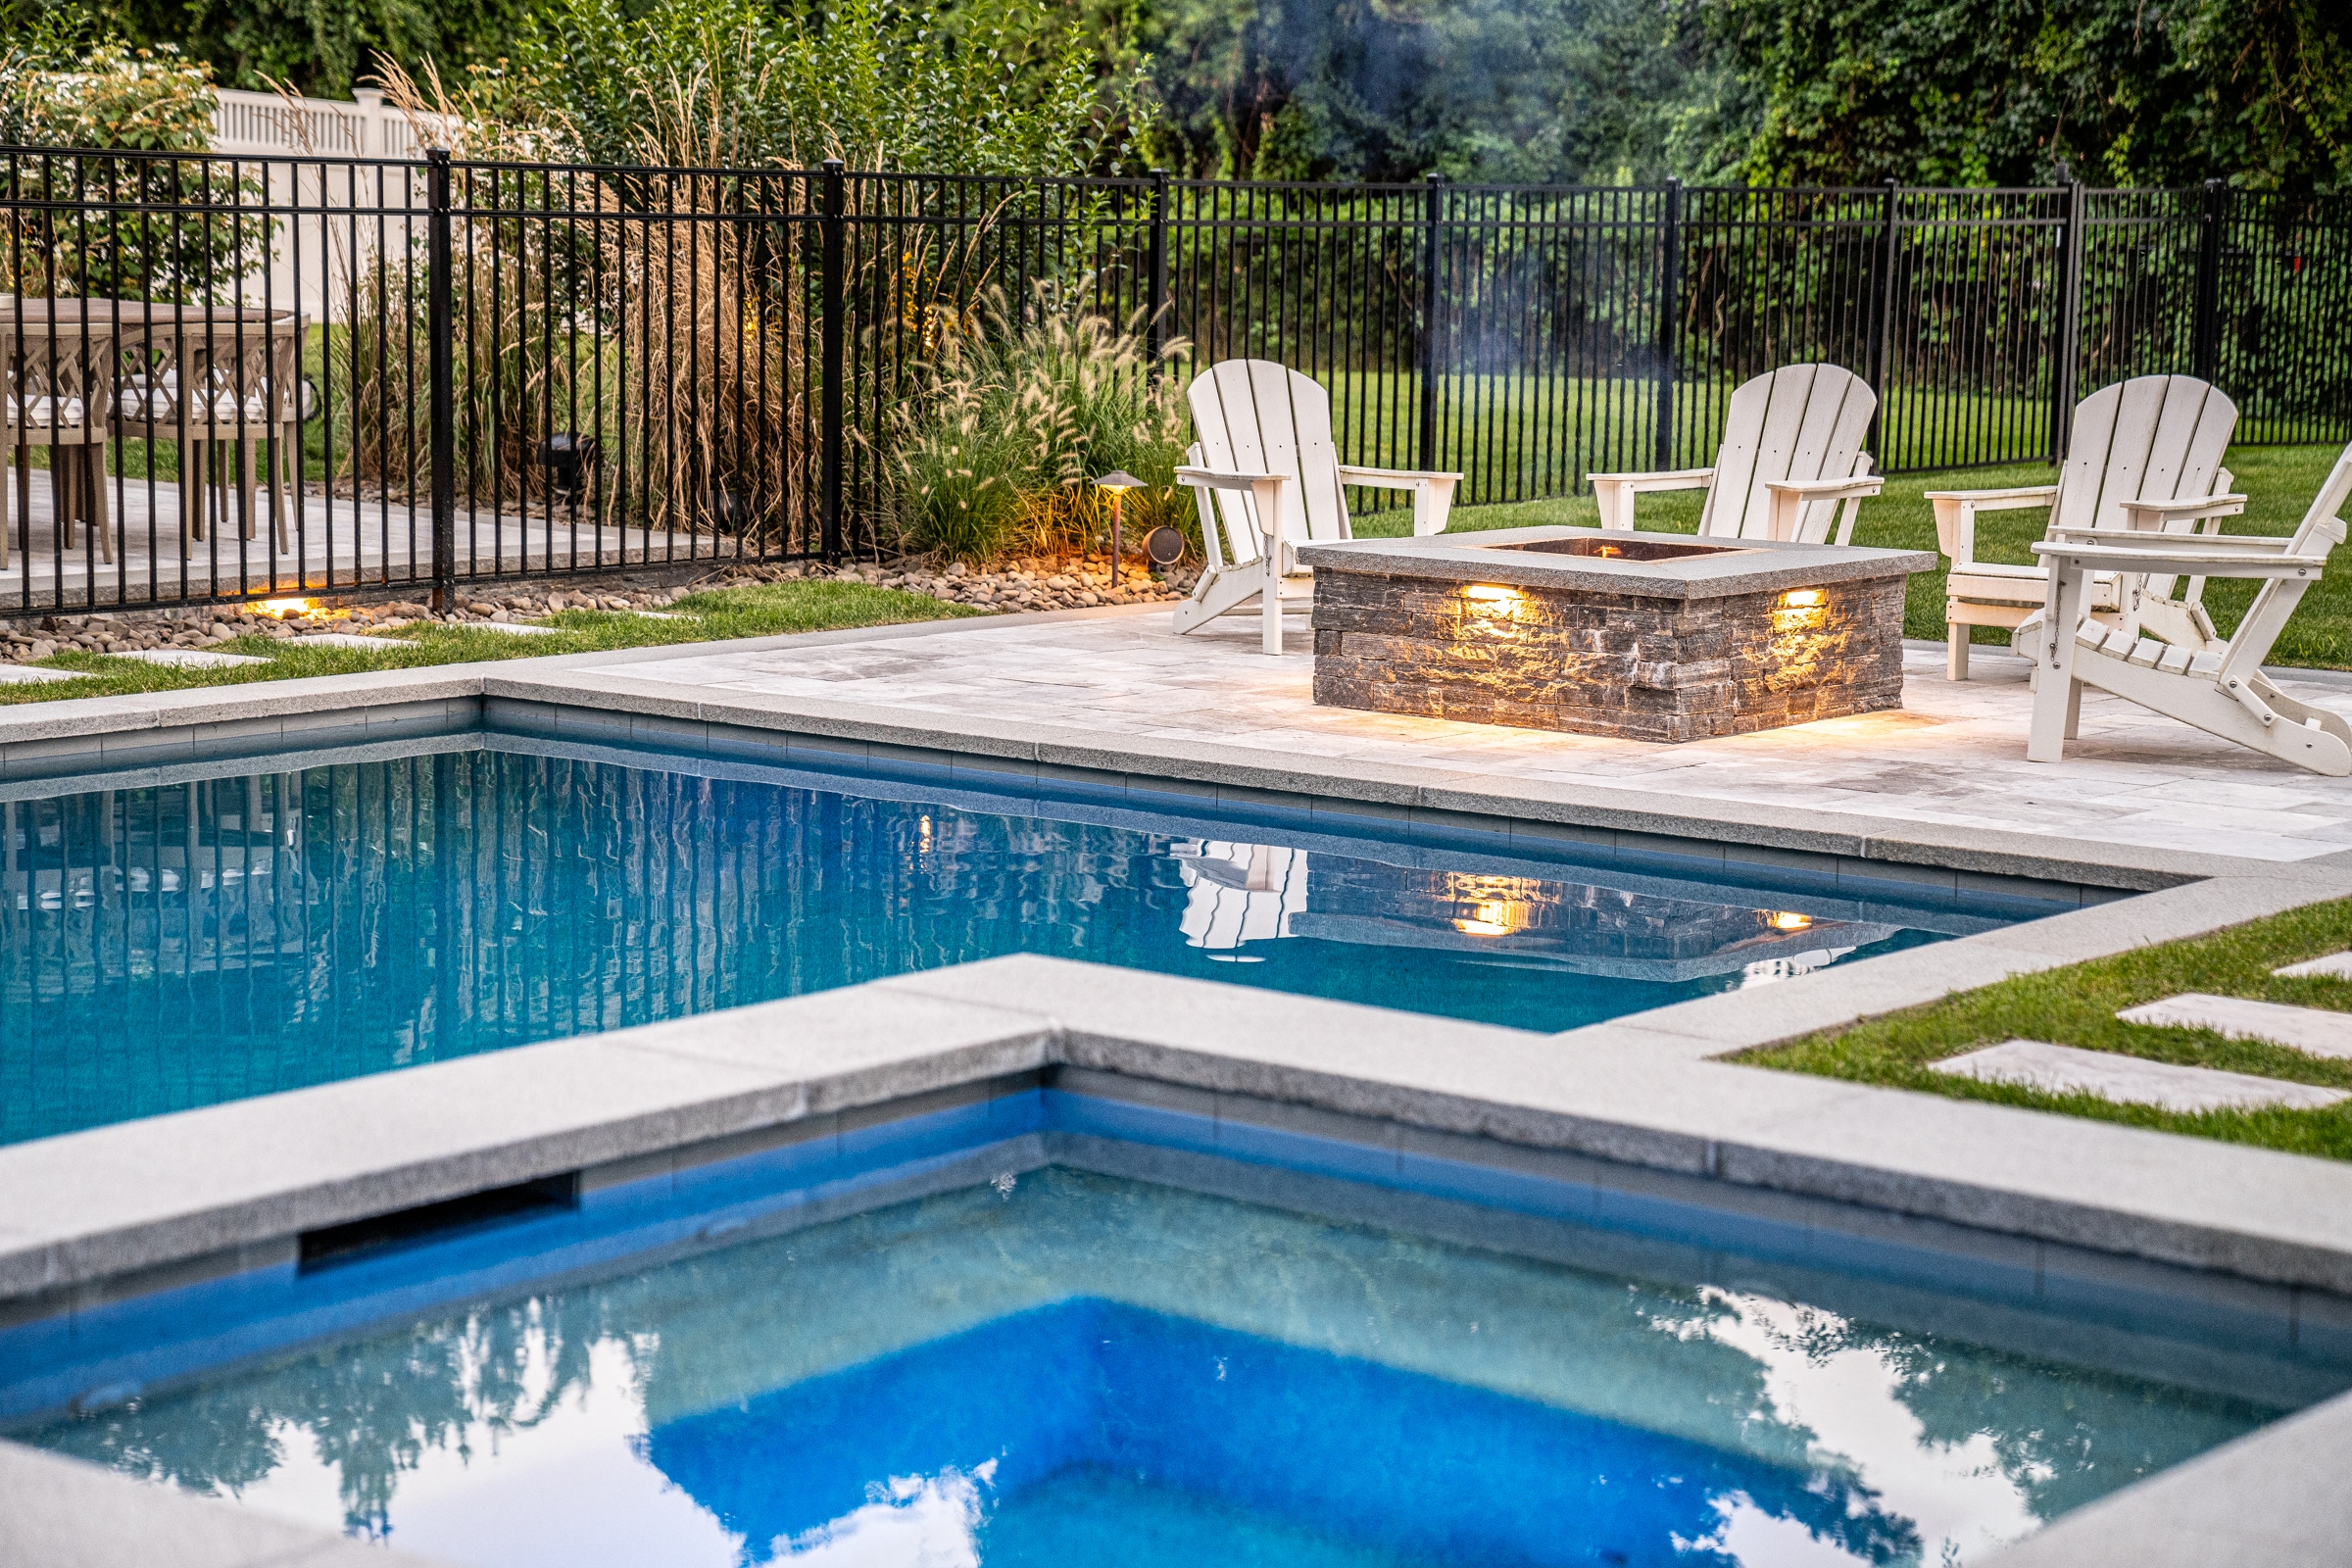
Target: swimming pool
175,944
1058,1330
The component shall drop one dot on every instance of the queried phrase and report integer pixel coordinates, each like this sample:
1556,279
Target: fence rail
278,375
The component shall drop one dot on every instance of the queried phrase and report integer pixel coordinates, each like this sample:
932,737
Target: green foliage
57,89
761,609
2145,92
994,452
1492,91
323,47
62,85
995,87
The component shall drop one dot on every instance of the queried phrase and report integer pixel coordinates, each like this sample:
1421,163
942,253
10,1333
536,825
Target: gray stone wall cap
1745,567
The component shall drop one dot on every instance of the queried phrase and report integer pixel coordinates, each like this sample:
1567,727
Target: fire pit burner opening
1629,548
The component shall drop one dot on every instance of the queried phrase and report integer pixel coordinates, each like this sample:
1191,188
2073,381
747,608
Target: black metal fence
260,377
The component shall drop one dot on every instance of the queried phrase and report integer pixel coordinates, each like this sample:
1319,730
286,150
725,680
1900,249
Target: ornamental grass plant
995,452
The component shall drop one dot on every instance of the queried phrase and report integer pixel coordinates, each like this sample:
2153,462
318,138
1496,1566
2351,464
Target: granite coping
1499,556
1644,1092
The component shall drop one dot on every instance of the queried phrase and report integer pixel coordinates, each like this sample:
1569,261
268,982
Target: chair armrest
1393,478
2229,505
1662,479
2035,495
1213,480
2195,561
1829,489
2237,544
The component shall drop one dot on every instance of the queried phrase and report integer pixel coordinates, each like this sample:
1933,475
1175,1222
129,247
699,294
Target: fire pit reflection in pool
1609,633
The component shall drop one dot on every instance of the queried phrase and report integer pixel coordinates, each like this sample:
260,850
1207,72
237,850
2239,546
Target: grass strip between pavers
2077,1007
761,609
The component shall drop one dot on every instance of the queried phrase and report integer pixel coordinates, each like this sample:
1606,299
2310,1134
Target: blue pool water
1069,1365
169,946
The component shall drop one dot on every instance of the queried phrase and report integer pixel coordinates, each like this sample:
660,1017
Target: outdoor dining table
214,376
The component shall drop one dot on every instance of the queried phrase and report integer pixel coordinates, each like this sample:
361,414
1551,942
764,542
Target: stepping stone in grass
2335,966
32,675
2129,1081
351,639
190,657
2311,1030
515,627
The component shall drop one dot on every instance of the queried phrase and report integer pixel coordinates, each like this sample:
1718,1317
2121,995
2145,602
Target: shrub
58,90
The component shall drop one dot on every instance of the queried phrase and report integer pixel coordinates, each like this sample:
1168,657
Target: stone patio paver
2129,1080
2333,966
2314,1030
1955,755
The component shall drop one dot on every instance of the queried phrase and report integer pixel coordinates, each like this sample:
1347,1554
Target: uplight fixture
1118,482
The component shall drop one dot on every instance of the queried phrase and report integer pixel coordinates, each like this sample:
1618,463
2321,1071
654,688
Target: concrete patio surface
339,542
1955,755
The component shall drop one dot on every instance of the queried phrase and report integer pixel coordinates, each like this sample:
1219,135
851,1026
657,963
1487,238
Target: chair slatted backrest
1258,417
2319,533
1800,421
2151,438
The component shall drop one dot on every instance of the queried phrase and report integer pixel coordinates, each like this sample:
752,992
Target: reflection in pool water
164,948
1071,1369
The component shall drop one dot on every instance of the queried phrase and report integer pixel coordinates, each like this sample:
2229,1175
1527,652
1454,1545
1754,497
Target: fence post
442,391
1433,221
2069,320
2208,331
1881,322
1155,301
1670,300
829,437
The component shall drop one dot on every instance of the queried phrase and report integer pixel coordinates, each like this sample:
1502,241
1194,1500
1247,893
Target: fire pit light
1788,921
1800,609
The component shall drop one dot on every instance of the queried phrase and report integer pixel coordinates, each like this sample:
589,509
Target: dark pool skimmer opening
357,1239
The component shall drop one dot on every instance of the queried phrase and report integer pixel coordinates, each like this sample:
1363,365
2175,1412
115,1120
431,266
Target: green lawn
2278,484
760,611
2077,1007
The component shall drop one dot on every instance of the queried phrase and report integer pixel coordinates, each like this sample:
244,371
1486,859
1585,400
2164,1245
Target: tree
1493,90
1974,92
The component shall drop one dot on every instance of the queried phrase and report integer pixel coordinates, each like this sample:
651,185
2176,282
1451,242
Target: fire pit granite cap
1534,557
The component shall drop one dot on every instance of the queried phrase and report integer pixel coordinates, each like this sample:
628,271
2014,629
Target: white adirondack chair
2219,687
1792,454
1268,478
2154,438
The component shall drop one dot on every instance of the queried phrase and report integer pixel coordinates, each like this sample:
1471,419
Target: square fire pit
1648,636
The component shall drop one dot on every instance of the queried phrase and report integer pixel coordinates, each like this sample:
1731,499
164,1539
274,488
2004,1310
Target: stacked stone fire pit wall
1609,661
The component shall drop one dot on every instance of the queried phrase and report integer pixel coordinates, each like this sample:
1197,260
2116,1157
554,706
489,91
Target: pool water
1063,1368
174,946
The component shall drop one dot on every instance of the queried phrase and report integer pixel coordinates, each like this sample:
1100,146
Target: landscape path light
1118,482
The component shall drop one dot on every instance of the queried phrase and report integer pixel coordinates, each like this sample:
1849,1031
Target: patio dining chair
1791,457
58,363
2155,443
2219,687
1267,478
